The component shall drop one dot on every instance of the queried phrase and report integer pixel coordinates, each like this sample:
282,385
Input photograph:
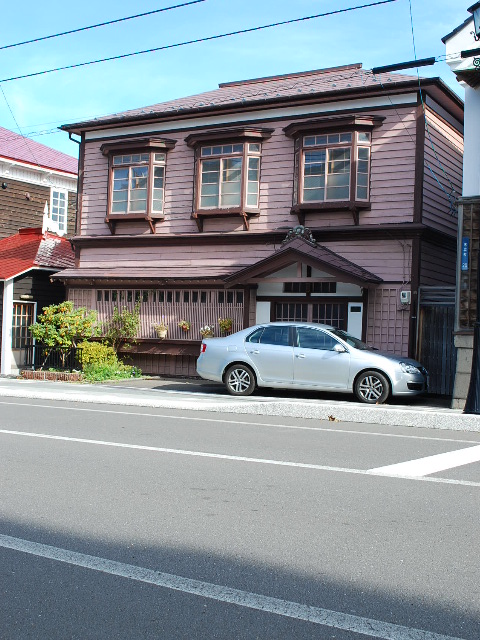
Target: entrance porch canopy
300,250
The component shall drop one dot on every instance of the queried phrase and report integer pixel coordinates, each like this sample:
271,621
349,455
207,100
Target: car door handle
300,355
255,351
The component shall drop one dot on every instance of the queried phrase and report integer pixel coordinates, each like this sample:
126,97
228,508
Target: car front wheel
372,387
240,380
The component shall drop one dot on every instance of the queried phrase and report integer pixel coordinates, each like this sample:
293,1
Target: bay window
137,180
227,166
332,164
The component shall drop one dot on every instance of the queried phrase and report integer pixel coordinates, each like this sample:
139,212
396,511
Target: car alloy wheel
240,380
372,387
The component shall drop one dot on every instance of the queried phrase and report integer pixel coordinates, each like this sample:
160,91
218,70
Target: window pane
138,206
209,189
363,136
362,166
159,157
362,179
309,141
314,182
338,193
229,188
333,138
254,148
345,137
209,202
210,168
362,193
339,180
363,153
312,195
237,148
276,335
230,200
255,336
314,339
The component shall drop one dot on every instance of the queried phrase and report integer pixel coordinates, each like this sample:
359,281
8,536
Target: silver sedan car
314,357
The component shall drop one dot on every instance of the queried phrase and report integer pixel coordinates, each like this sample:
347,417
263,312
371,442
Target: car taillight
203,347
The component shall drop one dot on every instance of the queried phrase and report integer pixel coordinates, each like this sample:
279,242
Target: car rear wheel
372,387
240,380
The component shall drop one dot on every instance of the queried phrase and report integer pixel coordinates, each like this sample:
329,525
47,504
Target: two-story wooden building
196,208
38,189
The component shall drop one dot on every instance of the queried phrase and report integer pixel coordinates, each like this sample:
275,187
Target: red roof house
27,260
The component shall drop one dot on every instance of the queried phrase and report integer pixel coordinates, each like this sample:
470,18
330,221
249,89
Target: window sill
113,218
200,214
354,206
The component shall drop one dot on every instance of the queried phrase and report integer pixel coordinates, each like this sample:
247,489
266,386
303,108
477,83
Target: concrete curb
424,417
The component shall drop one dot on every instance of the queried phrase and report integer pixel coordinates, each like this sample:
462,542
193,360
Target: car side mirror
339,348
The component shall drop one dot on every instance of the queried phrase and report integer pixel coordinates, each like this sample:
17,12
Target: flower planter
58,376
162,333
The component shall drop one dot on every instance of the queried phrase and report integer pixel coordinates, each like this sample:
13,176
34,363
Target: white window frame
354,147
224,152
61,221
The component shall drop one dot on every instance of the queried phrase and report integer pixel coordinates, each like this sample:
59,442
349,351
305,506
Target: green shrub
97,353
101,371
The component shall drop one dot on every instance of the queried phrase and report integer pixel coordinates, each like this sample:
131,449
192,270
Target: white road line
430,464
220,456
325,617
245,423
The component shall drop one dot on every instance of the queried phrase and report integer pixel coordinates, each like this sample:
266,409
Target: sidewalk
200,395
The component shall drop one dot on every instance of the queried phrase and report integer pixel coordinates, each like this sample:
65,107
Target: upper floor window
59,209
227,170
138,183
137,180
332,163
223,181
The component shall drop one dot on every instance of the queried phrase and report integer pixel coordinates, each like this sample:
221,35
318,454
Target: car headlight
408,368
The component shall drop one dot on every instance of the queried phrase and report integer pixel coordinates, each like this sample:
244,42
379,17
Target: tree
60,325
122,327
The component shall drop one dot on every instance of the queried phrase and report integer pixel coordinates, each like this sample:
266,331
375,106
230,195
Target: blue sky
373,36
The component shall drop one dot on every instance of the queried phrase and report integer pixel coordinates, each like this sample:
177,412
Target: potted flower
206,331
225,324
184,325
161,328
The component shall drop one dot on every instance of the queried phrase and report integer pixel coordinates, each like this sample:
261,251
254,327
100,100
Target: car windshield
350,340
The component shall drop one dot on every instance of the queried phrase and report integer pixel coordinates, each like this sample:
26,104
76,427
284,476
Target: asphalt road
135,523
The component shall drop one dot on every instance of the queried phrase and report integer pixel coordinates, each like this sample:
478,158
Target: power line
18,127
197,40
100,24
452,196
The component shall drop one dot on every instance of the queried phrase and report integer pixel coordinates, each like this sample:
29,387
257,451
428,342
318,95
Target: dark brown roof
17,147
261,90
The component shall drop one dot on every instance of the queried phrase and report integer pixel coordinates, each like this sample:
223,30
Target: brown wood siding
16,211
392,184
388,321
388,259
443,170
437,265
71,213
152,311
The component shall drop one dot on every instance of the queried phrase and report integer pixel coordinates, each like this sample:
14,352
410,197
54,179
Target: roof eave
324,96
